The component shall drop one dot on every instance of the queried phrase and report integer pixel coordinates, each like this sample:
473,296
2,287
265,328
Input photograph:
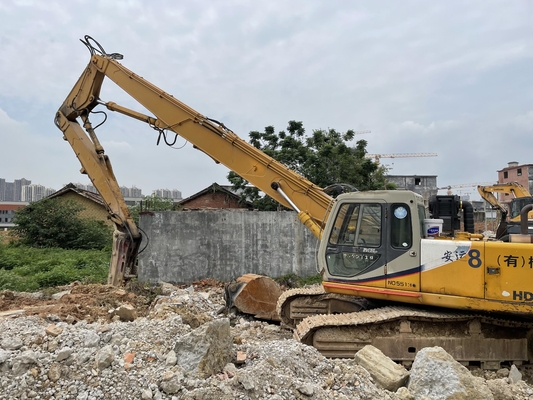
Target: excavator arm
487,193
211,137
520,198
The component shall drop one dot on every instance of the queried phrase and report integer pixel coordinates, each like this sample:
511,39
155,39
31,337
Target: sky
450,77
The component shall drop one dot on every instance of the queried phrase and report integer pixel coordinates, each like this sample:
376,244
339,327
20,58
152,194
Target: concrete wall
185,246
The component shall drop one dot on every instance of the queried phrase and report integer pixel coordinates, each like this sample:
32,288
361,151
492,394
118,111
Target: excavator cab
372,236
518,204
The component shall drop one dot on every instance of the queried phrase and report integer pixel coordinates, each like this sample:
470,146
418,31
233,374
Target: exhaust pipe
523,219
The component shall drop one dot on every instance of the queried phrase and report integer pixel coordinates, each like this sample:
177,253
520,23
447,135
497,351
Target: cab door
372,244
355,250
403,248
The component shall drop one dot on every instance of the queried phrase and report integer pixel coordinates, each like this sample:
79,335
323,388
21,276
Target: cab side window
401,230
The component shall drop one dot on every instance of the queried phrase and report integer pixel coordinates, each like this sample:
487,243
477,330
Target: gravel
58,358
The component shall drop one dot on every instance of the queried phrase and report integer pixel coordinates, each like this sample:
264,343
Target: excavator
385,280
509,218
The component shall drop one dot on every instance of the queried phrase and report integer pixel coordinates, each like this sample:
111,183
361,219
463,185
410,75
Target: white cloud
117,146
445,77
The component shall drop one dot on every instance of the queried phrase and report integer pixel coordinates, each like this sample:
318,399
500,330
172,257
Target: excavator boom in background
509,217
388,280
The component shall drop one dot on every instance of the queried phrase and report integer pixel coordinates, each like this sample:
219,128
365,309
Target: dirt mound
78,302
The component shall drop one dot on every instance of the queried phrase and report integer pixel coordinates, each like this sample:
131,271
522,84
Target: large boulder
436,375
386,373
207,349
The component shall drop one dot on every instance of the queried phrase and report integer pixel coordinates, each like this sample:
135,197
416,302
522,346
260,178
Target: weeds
294,281
29,269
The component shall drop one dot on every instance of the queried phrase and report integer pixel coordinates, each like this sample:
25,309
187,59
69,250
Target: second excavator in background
510,211
386,280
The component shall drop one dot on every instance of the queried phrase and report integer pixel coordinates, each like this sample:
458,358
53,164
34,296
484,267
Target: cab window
355,239
401,231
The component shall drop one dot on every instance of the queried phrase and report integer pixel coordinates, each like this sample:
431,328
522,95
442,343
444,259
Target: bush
56,223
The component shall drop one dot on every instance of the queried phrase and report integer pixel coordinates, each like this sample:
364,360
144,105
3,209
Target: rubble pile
184,347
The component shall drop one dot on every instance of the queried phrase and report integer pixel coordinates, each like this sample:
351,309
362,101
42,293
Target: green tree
324,158
151,203
56,223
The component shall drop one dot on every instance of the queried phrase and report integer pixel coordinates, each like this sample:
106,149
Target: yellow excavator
509,217
386,281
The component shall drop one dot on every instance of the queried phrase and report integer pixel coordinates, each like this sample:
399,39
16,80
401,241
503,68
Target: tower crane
464,185
377,157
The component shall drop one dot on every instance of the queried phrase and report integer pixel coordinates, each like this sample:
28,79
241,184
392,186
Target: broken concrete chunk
241,357
306,389
436,375
171,358
172,382
64,353
386,373
245,380
404,394
11,343
207,349
126,312
105,357
514,375
91,339
54,373
53,330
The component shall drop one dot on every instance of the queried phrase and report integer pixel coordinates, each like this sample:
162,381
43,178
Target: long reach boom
210,136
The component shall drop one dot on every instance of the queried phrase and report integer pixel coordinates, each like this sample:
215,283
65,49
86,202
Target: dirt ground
85,302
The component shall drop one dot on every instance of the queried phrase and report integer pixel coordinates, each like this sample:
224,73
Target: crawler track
297,304
400,332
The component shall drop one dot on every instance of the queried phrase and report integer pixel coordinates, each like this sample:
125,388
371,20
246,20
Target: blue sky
452,78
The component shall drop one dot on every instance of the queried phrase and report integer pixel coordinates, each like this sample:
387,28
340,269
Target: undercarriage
399,332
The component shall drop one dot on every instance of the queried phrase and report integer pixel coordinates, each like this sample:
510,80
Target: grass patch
28,269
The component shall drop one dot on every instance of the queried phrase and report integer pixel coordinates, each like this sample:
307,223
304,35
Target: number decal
474,261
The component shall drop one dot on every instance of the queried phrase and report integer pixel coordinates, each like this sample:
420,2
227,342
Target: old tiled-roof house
93,204
214,196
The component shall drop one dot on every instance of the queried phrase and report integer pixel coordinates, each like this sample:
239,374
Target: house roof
214,187
85,193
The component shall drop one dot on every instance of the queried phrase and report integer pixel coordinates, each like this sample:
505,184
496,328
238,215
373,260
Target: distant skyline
446,77
161,192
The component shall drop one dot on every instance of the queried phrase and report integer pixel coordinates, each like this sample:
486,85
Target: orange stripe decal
371,290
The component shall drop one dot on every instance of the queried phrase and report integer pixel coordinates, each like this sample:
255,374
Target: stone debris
386,373
126,312
241,357
515,376
59,295
436,375
207,349
183,348
53,330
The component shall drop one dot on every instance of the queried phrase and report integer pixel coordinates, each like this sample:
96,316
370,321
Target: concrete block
386,373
